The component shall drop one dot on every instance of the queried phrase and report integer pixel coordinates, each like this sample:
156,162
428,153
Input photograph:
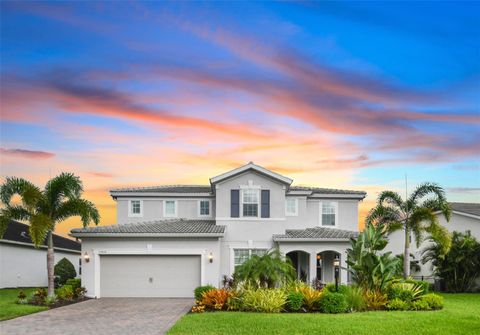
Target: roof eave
250,166
338,196
310,239
183,235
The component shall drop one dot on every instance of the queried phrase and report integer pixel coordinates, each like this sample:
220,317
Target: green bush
65,292
64,270
397,304
38,297
51,300
420,305
405,291
294,301
434,301
74,282
425,285
264,300
343,289
356,299
333,303
198,292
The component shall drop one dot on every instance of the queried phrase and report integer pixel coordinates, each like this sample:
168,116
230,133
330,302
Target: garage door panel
149,275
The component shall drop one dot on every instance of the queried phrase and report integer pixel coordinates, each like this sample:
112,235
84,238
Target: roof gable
250,167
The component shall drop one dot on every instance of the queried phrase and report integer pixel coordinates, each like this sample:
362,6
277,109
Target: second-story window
204,207
170,209
135,208
291,207
250,200
329,213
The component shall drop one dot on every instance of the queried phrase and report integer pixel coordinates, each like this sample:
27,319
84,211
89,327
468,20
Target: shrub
405,291
311,298
198,307
333,303
355,299
51,300
198,292
80,292
65,270
74,282
22,298
294,301
424,285
264,300
375,299
39,296
65,292
397,305
215,299
234,301
420,305
434,301
341,288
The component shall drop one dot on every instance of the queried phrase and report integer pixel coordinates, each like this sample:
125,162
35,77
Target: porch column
343,268
312,271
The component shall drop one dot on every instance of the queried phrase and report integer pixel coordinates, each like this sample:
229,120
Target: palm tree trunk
50,264
406,255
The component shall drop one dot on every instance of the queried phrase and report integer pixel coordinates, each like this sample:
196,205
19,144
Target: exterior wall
188,208
22,266
95,247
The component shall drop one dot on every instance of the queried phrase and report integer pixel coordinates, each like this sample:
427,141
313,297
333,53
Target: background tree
44,209
415,215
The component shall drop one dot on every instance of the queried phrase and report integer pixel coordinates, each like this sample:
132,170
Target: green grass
461,315
9,308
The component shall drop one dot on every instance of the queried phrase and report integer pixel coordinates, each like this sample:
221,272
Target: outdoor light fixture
336,265
210,258
319,257
86,257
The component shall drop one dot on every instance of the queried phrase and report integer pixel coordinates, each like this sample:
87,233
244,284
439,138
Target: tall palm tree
415,215
44,209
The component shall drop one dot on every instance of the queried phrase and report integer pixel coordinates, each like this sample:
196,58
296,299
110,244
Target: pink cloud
29,154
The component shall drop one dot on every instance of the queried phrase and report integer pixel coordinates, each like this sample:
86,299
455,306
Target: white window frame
257,190
249,255
135,215
296,206
209,208
165,209
321,214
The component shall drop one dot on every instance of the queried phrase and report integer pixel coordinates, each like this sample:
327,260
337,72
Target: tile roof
317,233
18,232
172,227
325,190
464,207
167,189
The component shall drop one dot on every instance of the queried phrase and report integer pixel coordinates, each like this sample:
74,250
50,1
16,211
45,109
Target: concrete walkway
106,316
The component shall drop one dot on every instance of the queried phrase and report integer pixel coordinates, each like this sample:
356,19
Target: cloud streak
29,154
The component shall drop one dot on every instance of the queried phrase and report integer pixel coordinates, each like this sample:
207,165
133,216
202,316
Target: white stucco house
170,239
465,216
23,265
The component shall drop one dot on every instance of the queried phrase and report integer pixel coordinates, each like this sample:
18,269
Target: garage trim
97,253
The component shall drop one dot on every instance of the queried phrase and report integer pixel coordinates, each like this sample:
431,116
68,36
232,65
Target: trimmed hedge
333,303
198,292
64,270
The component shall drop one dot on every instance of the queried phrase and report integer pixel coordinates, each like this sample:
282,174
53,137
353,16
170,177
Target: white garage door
172,276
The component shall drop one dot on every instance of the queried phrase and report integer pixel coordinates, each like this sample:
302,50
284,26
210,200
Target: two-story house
170,239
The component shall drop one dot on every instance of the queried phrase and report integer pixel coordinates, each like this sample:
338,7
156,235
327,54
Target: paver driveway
104,316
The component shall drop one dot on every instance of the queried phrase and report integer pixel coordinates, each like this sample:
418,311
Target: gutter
31,245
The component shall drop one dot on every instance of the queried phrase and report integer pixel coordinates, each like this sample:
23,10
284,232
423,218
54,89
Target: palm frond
65,185
78,207
29,193
386,215
40,225
392,198
427,189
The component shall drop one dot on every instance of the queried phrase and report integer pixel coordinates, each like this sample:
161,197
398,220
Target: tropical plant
419,305
460,267
341,288
355,299
405,291
198,292
215,299
433,300
333,303
44,209
38,297
397,304
294,301
371,269
269,270
66,292
64,270
415,215
375,299
264,300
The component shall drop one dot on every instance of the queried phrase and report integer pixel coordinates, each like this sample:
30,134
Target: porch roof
315,234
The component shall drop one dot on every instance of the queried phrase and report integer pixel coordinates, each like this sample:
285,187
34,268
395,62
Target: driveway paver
106,316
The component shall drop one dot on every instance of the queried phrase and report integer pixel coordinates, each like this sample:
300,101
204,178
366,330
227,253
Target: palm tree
43,209
415,215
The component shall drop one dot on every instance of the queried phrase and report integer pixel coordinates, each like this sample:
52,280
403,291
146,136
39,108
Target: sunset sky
339,94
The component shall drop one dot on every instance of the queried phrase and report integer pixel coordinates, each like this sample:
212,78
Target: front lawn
461,315
9,308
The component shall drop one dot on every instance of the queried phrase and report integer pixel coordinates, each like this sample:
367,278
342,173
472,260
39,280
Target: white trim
232,254
320,212
248,218
134,215
259,202
209,215
466,214
40,247
159,194
185,235
165,206
144,251
296,207
337,196
254,167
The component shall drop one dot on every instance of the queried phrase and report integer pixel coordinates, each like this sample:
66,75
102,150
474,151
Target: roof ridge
157,186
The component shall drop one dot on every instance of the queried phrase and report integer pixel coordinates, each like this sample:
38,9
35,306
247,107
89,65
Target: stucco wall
22,266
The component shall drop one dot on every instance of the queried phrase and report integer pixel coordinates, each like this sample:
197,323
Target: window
204,207
291,207
250,202
170,209
242,255
135,208
329,213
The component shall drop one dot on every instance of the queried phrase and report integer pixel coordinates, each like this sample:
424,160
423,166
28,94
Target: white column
343,268
312,271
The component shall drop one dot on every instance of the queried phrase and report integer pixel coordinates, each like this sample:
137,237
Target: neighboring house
465,216
170,239
23,265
